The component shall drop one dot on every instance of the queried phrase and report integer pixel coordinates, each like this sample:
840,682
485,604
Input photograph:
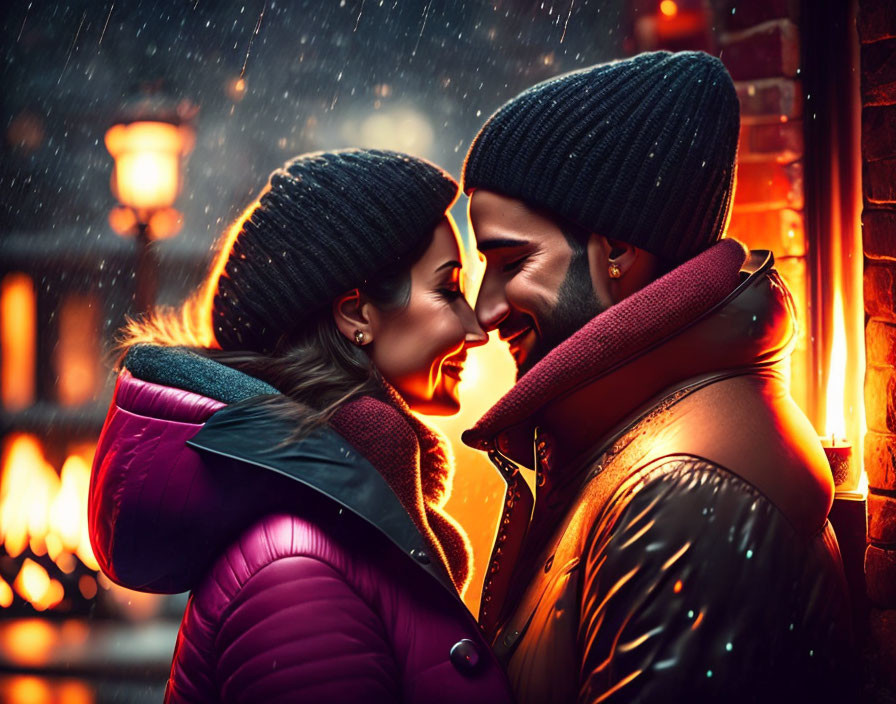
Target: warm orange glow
70,501
25,489
46,512
165,223
87,586
147,162
77,354
34,585
18,340
28,641
26,689
6,595
835,418
669,8
123,220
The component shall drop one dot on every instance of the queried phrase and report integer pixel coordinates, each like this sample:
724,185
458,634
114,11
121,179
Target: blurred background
209,97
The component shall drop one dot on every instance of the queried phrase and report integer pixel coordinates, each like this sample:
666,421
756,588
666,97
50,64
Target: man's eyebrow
499,243
453,264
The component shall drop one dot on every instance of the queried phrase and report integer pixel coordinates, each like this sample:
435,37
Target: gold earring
359,338
615,271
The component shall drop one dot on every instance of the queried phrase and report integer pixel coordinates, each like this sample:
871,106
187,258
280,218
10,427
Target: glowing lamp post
146,180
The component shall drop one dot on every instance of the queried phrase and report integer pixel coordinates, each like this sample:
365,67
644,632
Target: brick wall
876,23
759,43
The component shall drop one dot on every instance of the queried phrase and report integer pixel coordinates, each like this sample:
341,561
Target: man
679,548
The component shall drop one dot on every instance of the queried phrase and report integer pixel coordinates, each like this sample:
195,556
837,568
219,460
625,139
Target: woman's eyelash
450,293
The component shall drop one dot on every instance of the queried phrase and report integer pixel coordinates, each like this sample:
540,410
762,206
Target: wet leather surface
690,586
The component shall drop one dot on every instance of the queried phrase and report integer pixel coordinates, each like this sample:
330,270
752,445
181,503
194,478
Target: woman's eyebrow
453,264
500,243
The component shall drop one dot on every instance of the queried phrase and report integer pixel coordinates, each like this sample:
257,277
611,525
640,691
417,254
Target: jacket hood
179,474
720,311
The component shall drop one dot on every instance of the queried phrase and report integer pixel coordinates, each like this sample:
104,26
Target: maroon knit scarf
617,334
416,463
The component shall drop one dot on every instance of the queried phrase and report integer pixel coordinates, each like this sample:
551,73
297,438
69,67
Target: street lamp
146,181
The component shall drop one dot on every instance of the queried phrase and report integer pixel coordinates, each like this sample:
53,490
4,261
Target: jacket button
420,556
465,656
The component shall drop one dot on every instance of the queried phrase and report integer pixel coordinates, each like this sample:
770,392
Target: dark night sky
319,75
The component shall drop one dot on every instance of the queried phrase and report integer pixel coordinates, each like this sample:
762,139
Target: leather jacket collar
715,314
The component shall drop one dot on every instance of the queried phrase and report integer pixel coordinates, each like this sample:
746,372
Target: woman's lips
452,368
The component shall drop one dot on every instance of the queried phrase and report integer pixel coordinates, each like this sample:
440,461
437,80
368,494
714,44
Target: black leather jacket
679,551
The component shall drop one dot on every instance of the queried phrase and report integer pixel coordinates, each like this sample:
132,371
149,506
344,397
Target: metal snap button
464,656
510,638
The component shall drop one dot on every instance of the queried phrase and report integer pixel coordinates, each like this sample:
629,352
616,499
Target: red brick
882,520
880,399
880,576
880,291
768,50
781,141
879,234
876,20
879,180
737,14
880,460
781,231
768,185
878,132
761,99
879,73
880,343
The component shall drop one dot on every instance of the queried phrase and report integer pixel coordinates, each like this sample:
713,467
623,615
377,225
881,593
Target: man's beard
577,303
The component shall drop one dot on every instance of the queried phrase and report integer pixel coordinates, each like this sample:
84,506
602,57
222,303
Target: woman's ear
352,315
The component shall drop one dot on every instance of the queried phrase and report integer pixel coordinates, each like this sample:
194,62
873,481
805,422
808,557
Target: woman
274,468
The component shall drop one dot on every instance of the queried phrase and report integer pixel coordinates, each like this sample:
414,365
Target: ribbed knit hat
641,150
328,223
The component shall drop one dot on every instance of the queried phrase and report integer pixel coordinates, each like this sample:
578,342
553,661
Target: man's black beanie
641,150
328,222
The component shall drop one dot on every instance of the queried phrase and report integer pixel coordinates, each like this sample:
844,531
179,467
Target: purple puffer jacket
307,585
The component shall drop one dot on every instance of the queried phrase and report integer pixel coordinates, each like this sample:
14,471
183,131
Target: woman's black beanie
329,222
641,150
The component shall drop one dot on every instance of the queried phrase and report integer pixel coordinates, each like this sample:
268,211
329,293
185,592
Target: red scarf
417,464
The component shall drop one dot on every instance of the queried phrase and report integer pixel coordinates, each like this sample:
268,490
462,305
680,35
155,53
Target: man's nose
491,304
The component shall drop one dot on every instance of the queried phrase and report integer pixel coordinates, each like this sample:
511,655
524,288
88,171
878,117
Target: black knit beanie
641,150
328,223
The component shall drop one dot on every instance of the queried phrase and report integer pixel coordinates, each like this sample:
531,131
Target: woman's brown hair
314,366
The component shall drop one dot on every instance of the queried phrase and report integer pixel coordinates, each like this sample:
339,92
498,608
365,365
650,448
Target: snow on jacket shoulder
308,580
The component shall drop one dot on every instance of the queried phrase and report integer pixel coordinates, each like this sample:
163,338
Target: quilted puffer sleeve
695,588
269,626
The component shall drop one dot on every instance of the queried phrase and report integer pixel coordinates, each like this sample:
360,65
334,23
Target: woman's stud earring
615,271
359,338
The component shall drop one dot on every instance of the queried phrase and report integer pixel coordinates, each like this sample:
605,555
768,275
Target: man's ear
351,311
621,254
613,265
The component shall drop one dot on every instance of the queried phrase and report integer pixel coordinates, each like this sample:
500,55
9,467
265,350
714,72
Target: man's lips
514,336
515,340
